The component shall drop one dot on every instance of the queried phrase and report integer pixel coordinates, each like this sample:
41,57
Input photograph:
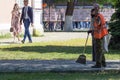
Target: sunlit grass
69,49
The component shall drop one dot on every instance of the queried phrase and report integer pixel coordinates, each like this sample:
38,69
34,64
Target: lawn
61,76
69,49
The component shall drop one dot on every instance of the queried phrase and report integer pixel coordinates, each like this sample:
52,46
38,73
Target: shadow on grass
50,49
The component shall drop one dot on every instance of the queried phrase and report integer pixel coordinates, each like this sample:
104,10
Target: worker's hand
90,31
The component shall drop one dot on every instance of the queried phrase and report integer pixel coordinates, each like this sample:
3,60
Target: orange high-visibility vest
100,30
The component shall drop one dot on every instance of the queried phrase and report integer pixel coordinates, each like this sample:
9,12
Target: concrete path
50,36
52,65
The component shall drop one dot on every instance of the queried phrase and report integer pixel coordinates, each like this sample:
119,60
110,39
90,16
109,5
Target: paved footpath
53,65
51,36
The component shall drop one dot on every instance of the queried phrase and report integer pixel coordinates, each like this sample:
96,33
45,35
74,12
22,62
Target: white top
25,12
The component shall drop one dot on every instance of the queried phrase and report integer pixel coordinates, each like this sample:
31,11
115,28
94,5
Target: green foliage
115,27
88,1
36,33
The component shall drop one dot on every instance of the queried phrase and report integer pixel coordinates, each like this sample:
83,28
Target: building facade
6,7
5,13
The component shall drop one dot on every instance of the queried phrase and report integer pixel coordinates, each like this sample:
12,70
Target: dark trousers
51,26
99,56
27,32
93,48
62,24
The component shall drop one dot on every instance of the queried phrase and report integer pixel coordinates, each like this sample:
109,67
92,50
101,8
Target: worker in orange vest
95,6
92,34
99,32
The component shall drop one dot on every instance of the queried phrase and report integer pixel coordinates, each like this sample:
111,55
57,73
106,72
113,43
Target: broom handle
85,44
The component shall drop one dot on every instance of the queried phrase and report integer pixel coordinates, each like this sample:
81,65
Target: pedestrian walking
15,22
27,18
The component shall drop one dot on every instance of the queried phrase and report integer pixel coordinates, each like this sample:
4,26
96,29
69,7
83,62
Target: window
20,3
38,4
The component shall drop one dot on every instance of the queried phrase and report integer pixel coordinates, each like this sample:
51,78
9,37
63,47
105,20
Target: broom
82,58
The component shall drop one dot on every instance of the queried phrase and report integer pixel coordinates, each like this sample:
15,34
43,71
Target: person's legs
50,26
76,24
27,33
93,48
98,52
79,24
88,24
62,24
18,36
84,24
14,36
103,60
14,33
73,25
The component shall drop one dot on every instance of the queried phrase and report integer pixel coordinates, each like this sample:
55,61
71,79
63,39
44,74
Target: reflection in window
20,3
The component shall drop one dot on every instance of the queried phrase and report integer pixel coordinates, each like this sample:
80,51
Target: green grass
70,49
7,35
61,76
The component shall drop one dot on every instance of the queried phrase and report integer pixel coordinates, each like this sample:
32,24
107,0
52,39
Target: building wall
6,7
5,11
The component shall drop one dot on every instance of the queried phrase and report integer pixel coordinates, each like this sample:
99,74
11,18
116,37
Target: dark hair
91,12
26,0
15,5
96,12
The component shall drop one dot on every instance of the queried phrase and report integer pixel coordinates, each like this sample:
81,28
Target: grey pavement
53,65
50,36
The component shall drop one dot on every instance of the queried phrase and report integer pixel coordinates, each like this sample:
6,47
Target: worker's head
96,6
94,12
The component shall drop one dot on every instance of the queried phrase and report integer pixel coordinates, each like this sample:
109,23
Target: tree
115,27
68,16
70,7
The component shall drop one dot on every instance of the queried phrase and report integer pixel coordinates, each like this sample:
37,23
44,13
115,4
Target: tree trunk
68,26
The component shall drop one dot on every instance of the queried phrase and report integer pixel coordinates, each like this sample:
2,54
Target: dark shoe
22,41
90,31
104,65
96,66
